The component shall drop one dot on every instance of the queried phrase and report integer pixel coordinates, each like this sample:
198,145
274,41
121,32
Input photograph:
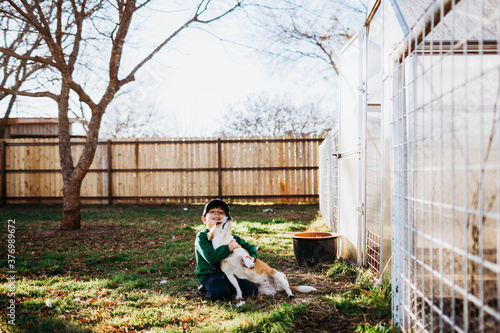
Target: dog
268,280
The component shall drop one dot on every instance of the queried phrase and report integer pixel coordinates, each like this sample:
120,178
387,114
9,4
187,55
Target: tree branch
131,76
48,94
194,19
13,54
238,4
79,16
126,14
329,56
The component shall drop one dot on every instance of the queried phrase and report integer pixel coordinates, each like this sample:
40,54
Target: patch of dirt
322,317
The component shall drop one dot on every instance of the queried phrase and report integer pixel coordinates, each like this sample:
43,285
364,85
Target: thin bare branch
29,94
131,76
13,54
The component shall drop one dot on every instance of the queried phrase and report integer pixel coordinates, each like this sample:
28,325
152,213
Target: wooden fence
194,170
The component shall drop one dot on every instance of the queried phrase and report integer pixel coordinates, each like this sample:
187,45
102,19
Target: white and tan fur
268,280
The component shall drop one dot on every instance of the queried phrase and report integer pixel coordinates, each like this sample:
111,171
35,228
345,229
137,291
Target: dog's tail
303,289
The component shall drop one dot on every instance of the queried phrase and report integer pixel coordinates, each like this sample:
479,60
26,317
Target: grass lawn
132,269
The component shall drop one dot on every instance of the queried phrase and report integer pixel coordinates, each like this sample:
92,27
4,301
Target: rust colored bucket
311,248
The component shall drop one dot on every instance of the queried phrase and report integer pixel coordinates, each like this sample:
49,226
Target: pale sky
198,77
193,82
199,81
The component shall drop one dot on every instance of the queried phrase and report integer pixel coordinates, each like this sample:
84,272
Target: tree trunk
71,215
5,120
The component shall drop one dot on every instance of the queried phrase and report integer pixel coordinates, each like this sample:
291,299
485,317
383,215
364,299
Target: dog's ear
211,233
227,219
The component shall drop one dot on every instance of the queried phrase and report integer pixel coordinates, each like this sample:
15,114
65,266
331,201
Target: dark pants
218,288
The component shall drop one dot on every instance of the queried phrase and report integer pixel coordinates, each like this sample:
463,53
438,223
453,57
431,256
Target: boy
215,284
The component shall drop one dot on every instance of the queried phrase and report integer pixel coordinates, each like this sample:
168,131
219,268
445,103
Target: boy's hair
216,203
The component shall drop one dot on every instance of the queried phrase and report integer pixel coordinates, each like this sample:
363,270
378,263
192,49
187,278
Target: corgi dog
268,280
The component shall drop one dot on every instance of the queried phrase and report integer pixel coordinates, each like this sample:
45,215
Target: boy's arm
206,249
252,250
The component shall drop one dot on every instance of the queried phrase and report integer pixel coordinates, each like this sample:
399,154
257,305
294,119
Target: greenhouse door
350,156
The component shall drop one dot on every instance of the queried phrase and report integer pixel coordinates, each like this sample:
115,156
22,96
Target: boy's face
213,216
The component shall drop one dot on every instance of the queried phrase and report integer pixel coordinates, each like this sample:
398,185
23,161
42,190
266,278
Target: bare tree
300,36
302,29
263,115
15,72
71,32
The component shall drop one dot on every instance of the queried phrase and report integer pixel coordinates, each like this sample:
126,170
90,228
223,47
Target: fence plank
16,184
50,165
3,188
11,178
197,179
52,154
23,178
212,164
42,151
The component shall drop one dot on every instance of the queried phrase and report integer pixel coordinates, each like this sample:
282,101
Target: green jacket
208,259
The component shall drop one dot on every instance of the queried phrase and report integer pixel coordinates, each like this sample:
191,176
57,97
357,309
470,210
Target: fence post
110,174
219,165
4,178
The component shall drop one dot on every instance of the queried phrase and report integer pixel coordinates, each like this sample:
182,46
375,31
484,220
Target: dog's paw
239,297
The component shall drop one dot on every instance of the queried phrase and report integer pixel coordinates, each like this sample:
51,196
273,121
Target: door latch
361,208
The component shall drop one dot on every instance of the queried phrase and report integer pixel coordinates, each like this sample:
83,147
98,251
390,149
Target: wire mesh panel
373,250
446,170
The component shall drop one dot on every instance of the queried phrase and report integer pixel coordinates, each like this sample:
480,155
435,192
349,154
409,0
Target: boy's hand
243,261
233,245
